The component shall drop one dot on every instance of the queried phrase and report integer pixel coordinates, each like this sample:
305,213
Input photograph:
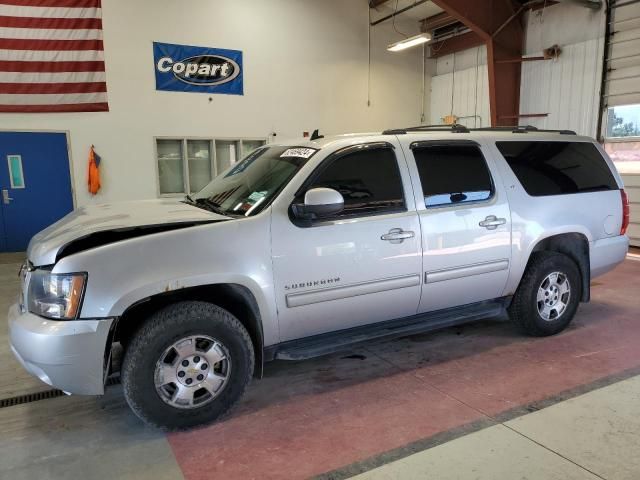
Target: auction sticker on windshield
255,196
298,152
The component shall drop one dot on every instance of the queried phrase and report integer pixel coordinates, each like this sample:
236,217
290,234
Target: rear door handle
397,235
492,222
6,199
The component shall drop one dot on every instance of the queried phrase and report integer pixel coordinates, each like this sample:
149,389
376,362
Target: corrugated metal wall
461,88
567,89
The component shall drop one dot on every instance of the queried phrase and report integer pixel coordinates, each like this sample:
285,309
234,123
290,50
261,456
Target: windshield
250,185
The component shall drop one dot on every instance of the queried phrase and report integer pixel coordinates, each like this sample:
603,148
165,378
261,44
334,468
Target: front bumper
69,355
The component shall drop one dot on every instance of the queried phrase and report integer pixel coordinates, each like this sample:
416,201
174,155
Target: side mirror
318,203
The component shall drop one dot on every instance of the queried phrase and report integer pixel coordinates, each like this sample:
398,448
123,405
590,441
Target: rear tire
548,296
187,365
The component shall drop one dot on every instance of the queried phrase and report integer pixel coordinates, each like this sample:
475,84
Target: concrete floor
595,435
475,402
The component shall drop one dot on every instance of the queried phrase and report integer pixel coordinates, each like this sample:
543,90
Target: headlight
56,295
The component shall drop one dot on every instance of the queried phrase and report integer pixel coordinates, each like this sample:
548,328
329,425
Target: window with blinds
187,165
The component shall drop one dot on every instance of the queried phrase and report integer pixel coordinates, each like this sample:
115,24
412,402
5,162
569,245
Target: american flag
51,56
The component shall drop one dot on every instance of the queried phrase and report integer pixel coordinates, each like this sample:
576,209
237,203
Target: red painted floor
311,417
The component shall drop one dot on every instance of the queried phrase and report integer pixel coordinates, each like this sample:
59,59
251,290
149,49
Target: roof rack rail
455,128
521,129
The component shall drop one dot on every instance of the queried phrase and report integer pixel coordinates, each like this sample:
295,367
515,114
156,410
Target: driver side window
369,180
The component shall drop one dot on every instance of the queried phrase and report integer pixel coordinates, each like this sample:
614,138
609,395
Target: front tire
548,296
187,365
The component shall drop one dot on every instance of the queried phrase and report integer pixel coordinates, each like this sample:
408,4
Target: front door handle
6,199
492,222
397,235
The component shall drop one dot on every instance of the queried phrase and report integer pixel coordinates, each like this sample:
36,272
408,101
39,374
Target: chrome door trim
352,290
466,271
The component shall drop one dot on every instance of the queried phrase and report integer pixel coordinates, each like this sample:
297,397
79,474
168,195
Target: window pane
623,121
452,174
16,175
199,160
170,166
555,168
226,154
368,180
249,146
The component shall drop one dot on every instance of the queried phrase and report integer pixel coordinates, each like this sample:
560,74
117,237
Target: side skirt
331,342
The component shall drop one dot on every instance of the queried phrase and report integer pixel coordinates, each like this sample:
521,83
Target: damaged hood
84,223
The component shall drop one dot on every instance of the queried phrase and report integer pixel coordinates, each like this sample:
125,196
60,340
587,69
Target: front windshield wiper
208,204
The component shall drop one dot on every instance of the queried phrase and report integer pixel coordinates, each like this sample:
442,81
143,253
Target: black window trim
330,159
453,143
443,143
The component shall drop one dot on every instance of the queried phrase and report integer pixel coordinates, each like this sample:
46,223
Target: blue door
35,185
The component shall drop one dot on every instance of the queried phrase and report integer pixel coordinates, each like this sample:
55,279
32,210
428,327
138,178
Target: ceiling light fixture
409,42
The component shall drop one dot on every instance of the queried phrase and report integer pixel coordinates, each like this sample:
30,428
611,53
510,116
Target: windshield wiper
210,205
206,204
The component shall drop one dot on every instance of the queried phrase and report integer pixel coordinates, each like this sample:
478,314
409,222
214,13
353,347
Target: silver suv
311,247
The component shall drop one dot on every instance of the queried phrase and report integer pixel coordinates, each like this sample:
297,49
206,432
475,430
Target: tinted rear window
556,168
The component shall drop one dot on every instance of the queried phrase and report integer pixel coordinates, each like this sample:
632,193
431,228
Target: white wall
305,67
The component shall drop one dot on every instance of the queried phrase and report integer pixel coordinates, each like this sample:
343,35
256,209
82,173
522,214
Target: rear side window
452,174
556,168
369,181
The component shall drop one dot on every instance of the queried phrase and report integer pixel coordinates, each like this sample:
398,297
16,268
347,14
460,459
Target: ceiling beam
455,44
415,4
485,17
497,24
441,19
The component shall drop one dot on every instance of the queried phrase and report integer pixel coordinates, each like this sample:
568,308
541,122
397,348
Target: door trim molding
466,271
352,290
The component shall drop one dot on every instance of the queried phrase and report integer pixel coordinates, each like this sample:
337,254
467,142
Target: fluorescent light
409,42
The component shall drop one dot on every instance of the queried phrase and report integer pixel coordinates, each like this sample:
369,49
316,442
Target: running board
332,342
